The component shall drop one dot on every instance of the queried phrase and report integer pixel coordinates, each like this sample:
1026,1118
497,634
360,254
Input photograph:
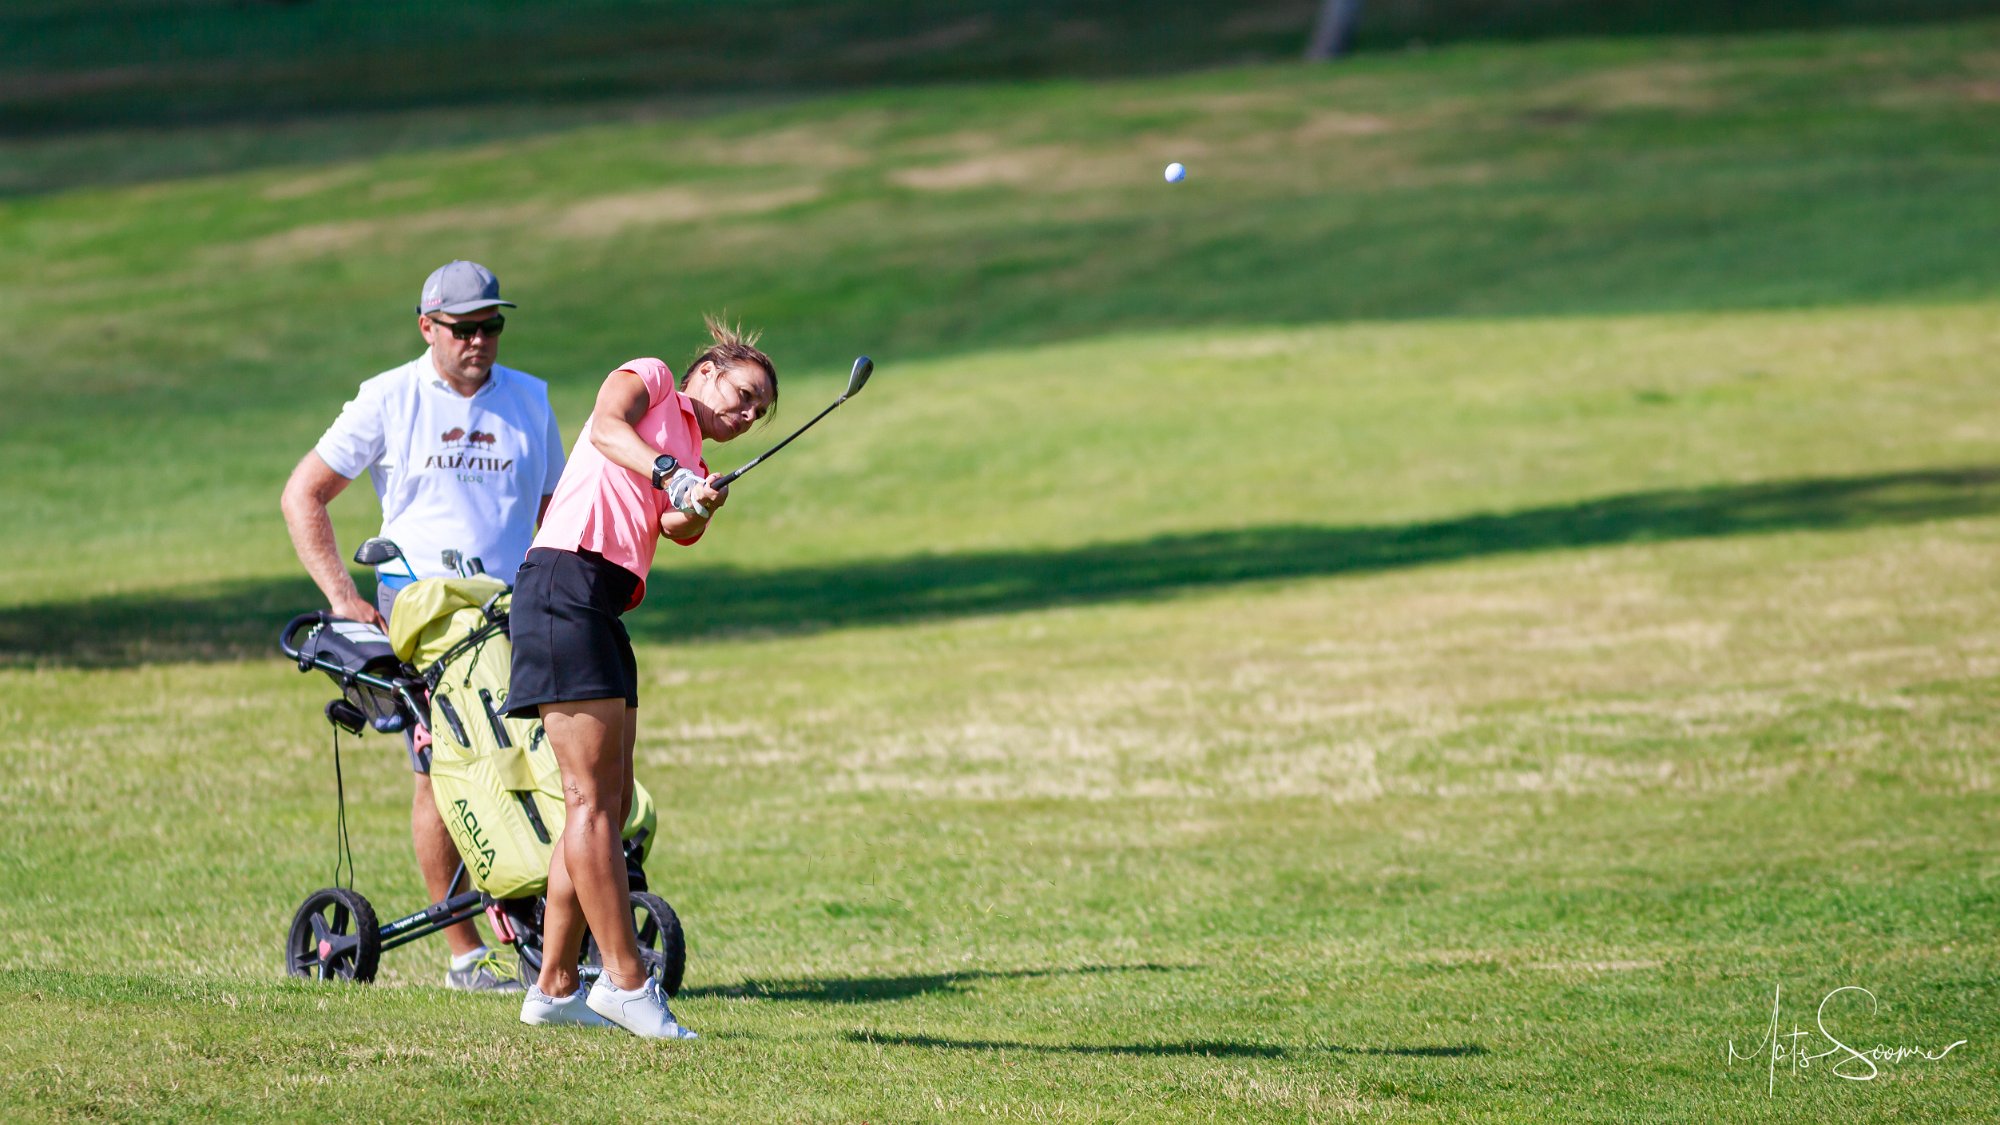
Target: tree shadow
81,66
217,621
95,63
871,990
240,620
1389,26
1208,1048
889,591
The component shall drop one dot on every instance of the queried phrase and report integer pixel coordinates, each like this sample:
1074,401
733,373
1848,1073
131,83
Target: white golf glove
680,492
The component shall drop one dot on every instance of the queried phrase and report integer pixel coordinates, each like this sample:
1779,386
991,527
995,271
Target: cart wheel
334,937
525,915
662,945
660,940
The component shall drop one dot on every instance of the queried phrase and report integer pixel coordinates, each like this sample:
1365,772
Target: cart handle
292,627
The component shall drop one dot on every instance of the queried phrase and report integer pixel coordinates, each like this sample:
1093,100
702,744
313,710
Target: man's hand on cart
359,609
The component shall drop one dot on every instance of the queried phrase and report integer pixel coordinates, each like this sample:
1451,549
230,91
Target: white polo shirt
452,472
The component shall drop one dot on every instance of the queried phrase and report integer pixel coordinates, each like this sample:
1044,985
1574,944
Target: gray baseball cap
461,287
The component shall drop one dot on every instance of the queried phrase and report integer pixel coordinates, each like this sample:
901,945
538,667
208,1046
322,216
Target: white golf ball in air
1176,172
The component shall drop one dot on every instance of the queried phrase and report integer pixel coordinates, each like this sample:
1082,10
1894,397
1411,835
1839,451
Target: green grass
1432,619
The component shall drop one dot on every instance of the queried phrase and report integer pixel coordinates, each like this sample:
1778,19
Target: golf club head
858,378
452,560
376,551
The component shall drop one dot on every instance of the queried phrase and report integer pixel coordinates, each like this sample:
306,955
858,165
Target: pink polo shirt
604,507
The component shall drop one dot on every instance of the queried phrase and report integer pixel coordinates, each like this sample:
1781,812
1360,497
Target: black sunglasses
467,329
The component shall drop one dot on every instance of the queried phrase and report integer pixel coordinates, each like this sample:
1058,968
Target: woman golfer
637,458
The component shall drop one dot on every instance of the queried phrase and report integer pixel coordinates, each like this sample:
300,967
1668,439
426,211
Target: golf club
856,379
458,563
376,551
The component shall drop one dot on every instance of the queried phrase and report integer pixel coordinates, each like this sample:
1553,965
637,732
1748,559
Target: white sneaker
641,1011
541,1008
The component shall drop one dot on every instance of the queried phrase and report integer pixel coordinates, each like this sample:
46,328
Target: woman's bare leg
592,746
562,929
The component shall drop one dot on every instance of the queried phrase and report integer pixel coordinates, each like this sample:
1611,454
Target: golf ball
1176,172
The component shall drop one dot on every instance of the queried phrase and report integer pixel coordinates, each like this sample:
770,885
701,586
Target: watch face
665,463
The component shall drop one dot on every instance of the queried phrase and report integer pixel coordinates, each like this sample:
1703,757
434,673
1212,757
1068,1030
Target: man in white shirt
464,455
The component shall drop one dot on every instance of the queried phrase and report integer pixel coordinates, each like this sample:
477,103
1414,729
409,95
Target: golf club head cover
346,716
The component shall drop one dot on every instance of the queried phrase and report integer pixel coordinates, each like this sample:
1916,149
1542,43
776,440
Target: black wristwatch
663,467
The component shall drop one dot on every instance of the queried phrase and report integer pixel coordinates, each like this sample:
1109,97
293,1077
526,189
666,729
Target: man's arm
312,487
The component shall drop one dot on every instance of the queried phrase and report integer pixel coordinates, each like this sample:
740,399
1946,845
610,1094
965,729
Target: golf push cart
440,676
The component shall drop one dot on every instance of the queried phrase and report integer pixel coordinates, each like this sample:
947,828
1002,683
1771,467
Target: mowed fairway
1433,619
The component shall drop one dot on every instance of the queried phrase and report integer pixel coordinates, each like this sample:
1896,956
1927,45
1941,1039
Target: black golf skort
568,642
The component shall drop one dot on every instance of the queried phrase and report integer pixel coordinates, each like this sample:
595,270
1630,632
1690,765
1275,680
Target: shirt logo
461,455
457,436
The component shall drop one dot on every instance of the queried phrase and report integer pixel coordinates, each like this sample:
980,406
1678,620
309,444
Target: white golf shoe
642,1011
574,1009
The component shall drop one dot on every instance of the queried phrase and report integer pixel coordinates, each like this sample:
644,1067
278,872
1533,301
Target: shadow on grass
869,990
110,63
211,622
240,620
1212,1049
1207,1048
916,588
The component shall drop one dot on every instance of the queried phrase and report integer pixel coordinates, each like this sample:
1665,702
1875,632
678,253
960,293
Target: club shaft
724,480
